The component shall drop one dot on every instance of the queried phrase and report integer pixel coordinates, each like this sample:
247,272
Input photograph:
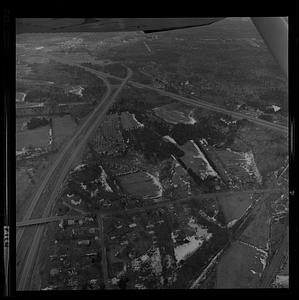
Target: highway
62,156
49,189
64,163
194,102
213,107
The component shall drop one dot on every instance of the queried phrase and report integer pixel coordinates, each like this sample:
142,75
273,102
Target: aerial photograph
151,158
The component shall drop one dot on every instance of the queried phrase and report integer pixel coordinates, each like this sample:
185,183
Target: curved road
193,102
59,160
216,108
74,146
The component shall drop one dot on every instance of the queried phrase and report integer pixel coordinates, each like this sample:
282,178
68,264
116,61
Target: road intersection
49,189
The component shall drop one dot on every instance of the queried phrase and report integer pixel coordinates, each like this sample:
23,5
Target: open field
240,267
22,183
141,184
151,147
217,74
257,232
173,116
265,144
63,127
36,138
234,207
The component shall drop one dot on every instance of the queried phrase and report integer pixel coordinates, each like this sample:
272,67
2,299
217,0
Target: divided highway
194,102
62,158
50,187
56,176
216,108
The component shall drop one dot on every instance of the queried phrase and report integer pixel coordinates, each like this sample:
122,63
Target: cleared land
234,206
174,115
239,267
63,127
257,232
39,137
22,180
141,184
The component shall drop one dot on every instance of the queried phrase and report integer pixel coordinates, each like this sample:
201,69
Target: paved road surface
101,110
92,122
216,108
62,156
194,101
53,176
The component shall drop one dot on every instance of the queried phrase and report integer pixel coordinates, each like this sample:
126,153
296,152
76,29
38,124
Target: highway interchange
28,243
57,174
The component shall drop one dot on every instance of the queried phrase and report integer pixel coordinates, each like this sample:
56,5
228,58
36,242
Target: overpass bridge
47,220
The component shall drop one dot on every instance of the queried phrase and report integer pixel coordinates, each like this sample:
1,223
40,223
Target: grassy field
63,127
139,184
25,188
236,67
234,206
174,114
239,267
22,182
257,233
37,138
265,144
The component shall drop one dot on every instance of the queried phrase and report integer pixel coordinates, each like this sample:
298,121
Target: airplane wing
40,25
274,30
